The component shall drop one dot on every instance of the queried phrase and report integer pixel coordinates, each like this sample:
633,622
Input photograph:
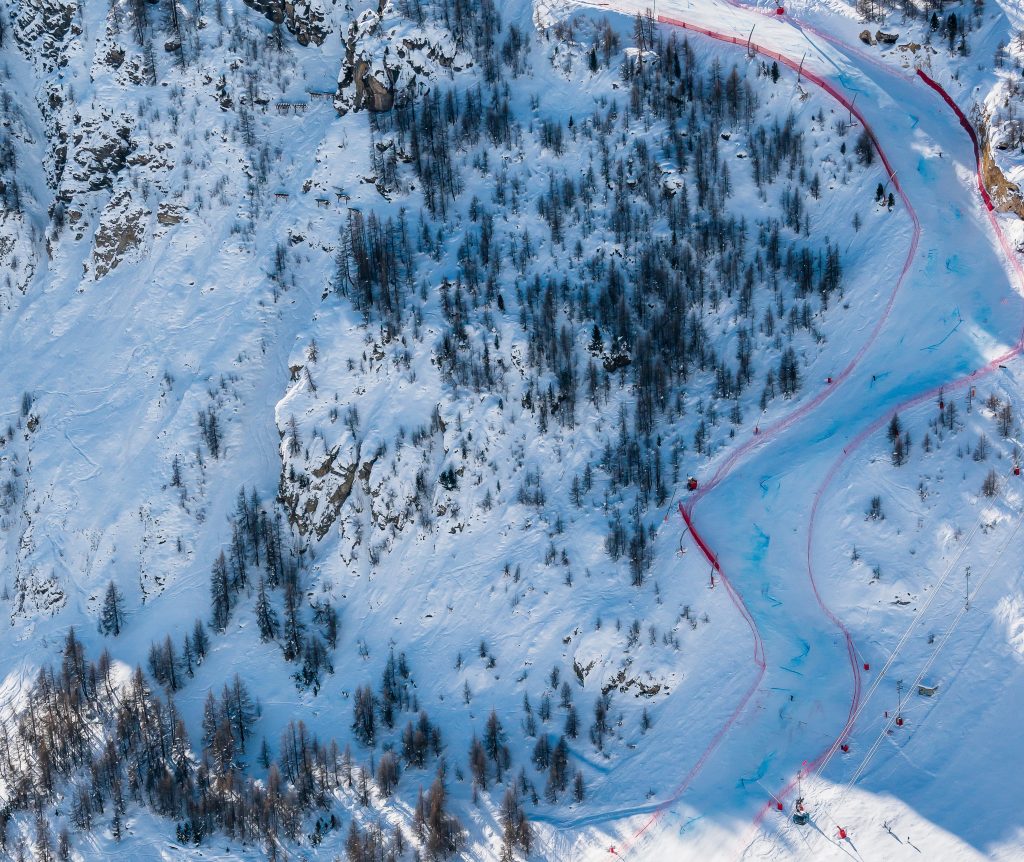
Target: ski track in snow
771,433
737,455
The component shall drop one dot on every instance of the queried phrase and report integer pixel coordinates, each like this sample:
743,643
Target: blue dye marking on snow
790,670
799,660
757,555
845,79
924,168
953,265
690,822
759,773
956,212
768,597
959,323
764,486
597,767
913,121
824,435
761,542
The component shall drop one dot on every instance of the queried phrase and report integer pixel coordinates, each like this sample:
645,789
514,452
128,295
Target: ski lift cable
920,676
902,642
824,809
896,650
949,631
931,660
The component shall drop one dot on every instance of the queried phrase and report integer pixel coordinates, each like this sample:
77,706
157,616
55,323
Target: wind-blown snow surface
193,315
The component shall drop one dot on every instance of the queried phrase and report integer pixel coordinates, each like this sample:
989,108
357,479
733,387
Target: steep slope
383,342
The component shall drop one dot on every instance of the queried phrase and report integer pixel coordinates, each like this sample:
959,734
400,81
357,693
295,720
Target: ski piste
843,71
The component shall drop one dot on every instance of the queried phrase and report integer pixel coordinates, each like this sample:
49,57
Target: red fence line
726,467
960,383
768,433
937,87
736,599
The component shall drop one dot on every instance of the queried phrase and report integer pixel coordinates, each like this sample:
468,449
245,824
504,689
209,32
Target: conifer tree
266,618
112,615
219,594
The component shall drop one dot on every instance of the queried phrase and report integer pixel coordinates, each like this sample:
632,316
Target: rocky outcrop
100,150
121,231
304,20
1006,196
17,256
42,26
371,93
170,214
623,682
44,31
315,500
381,61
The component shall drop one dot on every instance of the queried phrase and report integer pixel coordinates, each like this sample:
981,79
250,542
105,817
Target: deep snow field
462,539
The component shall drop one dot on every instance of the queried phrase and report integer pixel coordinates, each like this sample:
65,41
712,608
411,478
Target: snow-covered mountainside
451,429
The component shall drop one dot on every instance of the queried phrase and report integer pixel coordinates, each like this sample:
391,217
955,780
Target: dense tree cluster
641,260
103,744
670,260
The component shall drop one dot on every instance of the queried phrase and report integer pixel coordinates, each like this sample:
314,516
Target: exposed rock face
886,38
41,26
43,30
371,93
304,20
1005,195
100,150
315,502
169,214
120,232
17,256
623,682
37,588
18,252
380,62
